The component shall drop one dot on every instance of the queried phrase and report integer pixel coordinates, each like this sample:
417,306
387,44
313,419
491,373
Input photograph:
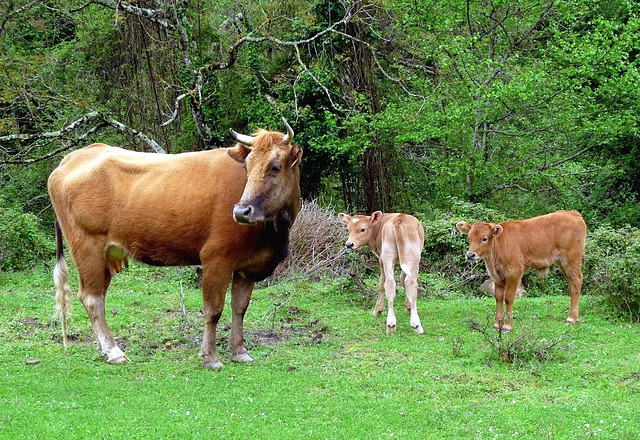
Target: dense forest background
520,106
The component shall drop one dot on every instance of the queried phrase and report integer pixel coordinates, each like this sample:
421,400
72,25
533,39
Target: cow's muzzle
350,245
471,256
247,214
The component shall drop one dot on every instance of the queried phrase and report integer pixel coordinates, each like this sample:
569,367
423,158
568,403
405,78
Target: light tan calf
397,239
510,248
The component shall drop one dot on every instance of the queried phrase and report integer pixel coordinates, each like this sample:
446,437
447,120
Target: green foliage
22,243
611,269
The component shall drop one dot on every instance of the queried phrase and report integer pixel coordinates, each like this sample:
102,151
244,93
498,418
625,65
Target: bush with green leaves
611,269
22,242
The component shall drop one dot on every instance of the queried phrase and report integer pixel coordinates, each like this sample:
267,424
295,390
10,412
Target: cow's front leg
377,310
390,292
241,290
215,280
499,295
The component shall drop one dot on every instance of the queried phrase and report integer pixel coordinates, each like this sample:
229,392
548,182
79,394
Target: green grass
324,368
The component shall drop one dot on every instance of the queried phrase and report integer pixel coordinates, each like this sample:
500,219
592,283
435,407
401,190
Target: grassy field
324,368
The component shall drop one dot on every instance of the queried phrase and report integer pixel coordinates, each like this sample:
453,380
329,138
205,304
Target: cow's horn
242,138
289,136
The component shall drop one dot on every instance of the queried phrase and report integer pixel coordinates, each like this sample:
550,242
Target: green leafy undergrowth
324,367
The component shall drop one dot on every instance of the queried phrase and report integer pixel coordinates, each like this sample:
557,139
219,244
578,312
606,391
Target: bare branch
57,134
154,15
566,159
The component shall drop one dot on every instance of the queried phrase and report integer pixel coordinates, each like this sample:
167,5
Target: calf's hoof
241,357
502,329
376,312
391,328
571,321
417,329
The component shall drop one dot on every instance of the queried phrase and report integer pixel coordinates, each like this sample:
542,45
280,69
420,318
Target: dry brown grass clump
317,246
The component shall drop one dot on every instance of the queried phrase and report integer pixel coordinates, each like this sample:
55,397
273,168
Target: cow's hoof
418,329
503,329
242,357
212,364
376,312
571,321
116,356
391,328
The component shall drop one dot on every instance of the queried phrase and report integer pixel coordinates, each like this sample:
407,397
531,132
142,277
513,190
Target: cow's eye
275,169
362,230
485,239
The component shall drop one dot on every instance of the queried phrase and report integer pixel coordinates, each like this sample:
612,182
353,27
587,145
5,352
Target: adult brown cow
510,248
397,239
174,210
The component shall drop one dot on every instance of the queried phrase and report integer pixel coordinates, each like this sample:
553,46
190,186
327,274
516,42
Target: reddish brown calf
510,248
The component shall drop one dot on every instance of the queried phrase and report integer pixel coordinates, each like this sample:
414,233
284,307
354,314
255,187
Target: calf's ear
240,152
344,218
497,230
463,227
375,217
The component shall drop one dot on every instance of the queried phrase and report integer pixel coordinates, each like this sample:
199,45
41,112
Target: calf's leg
510,290
498,293
411,291
241,289
390,292
377,310
573,273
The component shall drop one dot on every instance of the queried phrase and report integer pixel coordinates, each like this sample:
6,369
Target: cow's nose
242,213
471,256
349,244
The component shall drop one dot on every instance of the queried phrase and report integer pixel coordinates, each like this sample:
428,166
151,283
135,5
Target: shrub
22,244
611,268
521,346
317,247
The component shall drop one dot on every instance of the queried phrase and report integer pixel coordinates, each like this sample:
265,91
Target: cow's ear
344,218
497,230
239,152
296,155
375,217
463,227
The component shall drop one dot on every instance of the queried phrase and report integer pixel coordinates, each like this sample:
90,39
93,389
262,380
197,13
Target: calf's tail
61,280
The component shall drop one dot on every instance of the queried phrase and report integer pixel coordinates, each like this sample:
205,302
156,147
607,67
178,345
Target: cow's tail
61,280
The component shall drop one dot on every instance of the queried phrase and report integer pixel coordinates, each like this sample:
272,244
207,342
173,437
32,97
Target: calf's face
360,228
481,236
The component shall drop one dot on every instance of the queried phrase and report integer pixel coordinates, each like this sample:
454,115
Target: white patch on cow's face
355,220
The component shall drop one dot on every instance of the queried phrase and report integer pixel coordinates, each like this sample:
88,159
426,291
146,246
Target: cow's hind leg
215,280
94,281
241,290
573,273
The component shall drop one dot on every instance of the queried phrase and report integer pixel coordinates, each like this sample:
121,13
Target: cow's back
161,208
